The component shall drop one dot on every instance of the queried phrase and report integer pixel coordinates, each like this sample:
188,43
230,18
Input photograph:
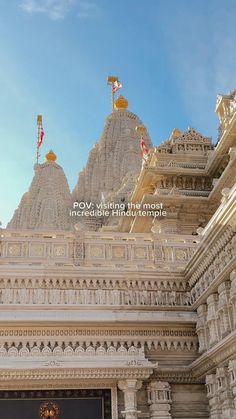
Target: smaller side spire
47,204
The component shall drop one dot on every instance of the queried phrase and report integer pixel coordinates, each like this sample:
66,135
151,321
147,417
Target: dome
121,103
51,156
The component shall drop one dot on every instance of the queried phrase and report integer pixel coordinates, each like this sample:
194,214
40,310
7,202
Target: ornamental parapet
94,269
89,249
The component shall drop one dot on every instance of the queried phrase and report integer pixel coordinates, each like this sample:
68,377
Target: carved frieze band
97,349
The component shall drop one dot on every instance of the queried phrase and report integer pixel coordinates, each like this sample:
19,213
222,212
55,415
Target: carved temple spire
46,204
116,155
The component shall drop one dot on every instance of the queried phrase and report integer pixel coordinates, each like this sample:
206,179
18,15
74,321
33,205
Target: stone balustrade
81,252
114,250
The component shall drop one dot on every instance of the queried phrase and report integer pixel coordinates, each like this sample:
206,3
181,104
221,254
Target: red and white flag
40,137
144,147
116,86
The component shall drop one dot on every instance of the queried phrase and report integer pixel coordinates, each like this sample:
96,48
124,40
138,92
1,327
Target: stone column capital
129,385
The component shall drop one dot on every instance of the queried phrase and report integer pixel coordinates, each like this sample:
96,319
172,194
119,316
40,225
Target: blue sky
173,58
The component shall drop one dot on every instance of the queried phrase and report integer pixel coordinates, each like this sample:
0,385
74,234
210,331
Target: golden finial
121,103
39,120
51,156
140,129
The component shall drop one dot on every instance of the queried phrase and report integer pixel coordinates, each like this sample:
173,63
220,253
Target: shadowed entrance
76,404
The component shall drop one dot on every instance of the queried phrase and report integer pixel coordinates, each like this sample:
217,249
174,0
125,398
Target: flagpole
39,124
111,80
112,96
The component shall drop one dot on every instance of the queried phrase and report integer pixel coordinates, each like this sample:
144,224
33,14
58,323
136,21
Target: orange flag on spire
144,147
40,136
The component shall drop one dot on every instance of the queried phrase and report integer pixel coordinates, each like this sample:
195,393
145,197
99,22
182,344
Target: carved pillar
159,399
233,296
212,318
130,388
201,327
232,379
212,394
224,310
225,393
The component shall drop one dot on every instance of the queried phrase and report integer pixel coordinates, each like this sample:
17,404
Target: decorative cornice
176,375
220,353
75,373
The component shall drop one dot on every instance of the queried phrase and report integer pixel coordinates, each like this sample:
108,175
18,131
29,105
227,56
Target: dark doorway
74,404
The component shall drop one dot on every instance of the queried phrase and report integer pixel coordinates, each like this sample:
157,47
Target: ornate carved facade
146,309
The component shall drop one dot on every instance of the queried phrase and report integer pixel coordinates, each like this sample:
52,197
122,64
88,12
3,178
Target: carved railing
116,250
120,253
17,247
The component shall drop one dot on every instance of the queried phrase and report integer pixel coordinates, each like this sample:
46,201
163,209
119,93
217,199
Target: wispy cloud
58,9
54,9
87,9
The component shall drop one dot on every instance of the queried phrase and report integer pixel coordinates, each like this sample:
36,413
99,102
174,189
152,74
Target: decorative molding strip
61,374
117,333
176,375
80,349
